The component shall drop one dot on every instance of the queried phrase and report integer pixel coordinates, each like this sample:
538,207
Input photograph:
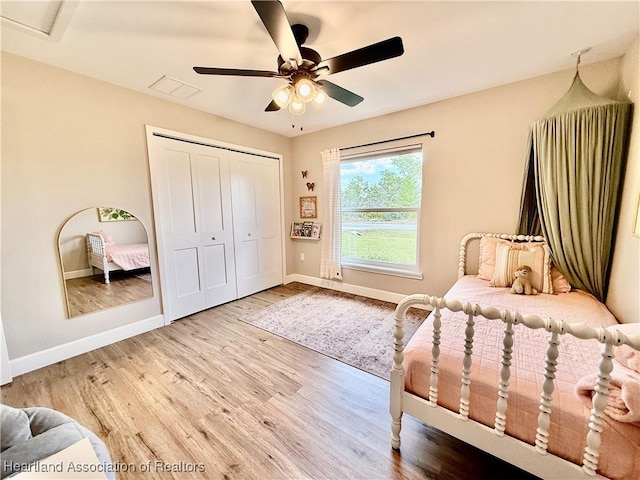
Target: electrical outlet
302,257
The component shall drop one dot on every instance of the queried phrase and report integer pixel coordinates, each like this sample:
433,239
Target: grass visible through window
392,246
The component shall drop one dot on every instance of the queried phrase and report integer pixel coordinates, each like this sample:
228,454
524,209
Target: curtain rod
432,134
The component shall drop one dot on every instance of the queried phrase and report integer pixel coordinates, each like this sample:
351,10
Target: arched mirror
104,255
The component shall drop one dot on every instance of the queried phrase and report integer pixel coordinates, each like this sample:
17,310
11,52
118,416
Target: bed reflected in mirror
104,257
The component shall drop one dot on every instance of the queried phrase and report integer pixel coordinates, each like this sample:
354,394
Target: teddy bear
522,282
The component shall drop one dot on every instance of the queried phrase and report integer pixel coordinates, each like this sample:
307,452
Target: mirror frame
118,215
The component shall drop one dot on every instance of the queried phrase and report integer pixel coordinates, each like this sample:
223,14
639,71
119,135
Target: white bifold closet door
194,225
255,190
218,228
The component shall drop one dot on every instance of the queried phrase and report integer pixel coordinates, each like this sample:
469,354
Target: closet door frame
152,132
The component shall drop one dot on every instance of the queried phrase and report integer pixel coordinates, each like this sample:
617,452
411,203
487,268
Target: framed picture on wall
308,207
108,214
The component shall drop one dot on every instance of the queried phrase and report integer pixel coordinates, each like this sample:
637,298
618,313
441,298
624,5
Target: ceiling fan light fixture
296,106
319,98
283,95
305,90
302,65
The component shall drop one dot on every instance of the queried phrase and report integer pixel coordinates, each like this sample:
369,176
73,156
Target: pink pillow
487,267
560,284
108,240
511,257
488,256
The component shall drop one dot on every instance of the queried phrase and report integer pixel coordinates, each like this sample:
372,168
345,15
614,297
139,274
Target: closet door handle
213,238
248,234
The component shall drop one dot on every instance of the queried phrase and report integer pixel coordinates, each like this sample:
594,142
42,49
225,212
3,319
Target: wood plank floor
212,393
90,294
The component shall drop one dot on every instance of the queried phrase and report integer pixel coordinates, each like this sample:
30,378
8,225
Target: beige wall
623,299
472,174
69,143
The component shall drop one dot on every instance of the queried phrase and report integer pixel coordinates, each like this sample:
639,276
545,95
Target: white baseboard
349,288
44,358
87,272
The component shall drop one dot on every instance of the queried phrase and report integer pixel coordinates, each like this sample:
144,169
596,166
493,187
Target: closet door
191,194
255,193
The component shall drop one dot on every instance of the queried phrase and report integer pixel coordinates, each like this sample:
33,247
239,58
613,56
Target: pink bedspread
129,257
620,449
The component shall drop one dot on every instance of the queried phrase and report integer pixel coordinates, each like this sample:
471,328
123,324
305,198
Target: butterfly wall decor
304,173
310,186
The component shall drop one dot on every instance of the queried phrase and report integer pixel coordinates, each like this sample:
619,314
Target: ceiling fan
302,66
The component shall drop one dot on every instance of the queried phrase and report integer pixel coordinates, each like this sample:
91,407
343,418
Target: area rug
353,329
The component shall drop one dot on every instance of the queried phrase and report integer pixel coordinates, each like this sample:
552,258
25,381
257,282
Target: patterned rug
353,329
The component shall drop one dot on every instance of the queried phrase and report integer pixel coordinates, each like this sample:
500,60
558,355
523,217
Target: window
381,195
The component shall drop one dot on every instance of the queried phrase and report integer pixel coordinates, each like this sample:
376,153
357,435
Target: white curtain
332,229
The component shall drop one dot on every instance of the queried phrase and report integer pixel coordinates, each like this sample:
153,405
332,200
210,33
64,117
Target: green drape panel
578,162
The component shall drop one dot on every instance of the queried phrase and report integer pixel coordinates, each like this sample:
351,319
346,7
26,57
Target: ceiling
451,48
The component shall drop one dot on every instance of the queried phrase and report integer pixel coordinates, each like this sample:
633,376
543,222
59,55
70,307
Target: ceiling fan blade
373,53
275,20
272,107
340,94
236,72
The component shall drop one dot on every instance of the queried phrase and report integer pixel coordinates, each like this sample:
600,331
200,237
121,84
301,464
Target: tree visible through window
381,196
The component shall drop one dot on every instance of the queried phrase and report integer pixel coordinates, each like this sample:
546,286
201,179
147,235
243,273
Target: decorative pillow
510,257
108,239
488,256
558,282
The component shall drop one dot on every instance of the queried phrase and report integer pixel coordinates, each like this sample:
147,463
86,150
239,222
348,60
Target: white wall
69,143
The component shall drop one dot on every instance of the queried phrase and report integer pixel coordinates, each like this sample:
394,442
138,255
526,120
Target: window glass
381,196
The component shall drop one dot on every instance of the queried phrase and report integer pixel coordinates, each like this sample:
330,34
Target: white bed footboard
533,458
97,255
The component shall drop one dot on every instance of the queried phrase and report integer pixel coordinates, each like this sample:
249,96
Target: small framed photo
296,229
308,207
315,230
306,229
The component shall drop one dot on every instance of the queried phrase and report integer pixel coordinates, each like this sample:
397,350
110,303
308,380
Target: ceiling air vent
175,88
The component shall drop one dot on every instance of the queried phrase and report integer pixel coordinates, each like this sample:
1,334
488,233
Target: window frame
387,268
